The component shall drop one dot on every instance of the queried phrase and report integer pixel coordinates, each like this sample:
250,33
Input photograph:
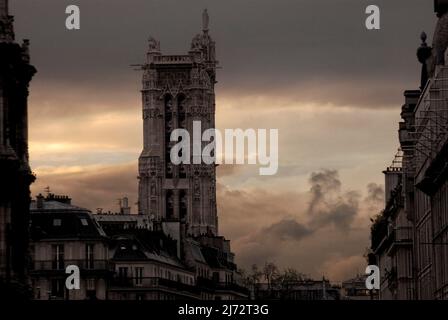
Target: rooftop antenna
47,190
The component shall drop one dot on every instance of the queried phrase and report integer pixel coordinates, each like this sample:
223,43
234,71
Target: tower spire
205,21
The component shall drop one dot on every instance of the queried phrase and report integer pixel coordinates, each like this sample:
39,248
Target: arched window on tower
169,204
183,204
182,124
169,126
181,111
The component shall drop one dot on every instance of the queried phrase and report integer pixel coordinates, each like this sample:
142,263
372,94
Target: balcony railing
431,126
151,283
53,265
173,59
230,286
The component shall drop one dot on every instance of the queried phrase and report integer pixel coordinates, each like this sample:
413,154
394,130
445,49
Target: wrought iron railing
83,264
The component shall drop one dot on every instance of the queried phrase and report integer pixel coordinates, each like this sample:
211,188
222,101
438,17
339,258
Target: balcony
222,286
59,266
431,133
151,283
172,59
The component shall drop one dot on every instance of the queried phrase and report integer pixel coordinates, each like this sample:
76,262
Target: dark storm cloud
375,193
330,210
322,183
269,46
340,213
328,205
285,230
375,198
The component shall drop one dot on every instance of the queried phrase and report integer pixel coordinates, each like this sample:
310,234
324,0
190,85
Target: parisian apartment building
410,237
119,258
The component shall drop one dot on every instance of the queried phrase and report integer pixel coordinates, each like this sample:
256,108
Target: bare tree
287,280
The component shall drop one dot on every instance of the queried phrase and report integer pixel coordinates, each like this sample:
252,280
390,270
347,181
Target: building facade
146,267
178,90
392,241
149,263
16,176
62,235
355,289
422,194
122,258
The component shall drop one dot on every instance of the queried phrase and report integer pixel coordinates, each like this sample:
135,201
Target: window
138,276
123,272
57,256
57,288
90,284
84,222
90,256
57,222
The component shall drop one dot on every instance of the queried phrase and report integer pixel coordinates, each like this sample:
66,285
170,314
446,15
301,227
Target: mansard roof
145,245
215,258
63,223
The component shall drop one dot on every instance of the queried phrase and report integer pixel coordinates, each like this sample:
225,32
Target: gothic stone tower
178,90
15,172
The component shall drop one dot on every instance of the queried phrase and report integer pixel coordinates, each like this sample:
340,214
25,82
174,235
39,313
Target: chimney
124,206
392,177
58,198
40,201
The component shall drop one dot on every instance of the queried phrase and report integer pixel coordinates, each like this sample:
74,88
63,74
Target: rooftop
65,224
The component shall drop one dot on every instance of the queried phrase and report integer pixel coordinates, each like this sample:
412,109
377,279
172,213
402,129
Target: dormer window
84,222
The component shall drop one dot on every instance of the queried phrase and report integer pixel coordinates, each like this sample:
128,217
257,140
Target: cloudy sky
309,68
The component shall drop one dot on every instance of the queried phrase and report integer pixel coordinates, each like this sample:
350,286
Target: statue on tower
205,20
153,45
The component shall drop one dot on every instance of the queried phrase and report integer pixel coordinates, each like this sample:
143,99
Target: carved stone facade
178,90
15,173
